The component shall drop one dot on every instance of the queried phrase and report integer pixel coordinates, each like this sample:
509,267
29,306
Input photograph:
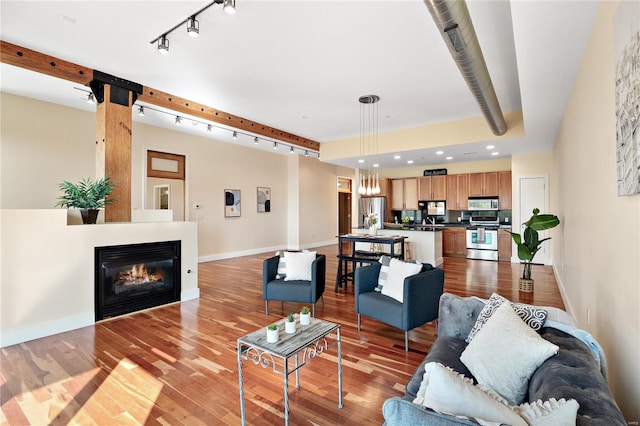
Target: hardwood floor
177,364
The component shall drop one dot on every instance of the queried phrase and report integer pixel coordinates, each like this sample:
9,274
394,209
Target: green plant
272,326
305,310
87,194
290,318
529,243
406,219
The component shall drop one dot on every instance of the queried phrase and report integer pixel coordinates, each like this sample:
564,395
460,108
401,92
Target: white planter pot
289,327
272,336
305,319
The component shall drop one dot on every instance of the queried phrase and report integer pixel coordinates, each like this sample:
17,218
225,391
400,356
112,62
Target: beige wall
597,245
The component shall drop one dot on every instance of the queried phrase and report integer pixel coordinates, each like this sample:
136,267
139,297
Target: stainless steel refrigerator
372,205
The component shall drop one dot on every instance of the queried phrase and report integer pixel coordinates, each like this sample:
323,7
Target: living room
595,264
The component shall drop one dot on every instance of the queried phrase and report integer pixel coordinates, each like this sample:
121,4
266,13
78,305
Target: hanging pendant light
369,182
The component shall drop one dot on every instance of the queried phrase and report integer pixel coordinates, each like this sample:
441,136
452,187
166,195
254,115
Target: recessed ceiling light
449,158
490,146
361,161
409,161
439,152
495,153
376,165
396,157
388,116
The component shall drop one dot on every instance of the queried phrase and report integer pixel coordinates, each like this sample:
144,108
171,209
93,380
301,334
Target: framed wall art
231,203
264,199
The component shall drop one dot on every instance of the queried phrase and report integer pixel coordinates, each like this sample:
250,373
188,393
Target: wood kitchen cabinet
404,194
432,188
483,184
504,190
457,191
504,245
454,242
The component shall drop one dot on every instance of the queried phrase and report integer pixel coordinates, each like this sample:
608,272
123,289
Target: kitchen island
423,244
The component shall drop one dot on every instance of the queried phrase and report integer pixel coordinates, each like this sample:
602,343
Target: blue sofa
577,372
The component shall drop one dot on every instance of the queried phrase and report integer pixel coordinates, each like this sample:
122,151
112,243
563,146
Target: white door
533,194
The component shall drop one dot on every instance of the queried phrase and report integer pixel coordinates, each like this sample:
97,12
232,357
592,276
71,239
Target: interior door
344,213
533,194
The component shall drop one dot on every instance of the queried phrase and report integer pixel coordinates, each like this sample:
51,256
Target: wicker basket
526,285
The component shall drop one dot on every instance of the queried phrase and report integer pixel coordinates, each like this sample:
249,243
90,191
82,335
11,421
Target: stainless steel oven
482,243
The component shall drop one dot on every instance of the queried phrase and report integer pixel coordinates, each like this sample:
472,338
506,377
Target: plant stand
526,285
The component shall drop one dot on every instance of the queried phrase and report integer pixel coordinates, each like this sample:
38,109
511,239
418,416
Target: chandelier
369,182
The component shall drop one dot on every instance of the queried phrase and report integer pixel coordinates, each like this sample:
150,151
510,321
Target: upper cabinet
457,192
404,194
504,190
432,188
483,184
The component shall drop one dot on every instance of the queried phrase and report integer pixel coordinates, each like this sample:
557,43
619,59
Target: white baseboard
563,294
194,293
43,329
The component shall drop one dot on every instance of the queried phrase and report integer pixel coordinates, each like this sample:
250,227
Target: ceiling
300,66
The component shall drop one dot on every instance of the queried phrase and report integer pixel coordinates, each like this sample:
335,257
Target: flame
139,274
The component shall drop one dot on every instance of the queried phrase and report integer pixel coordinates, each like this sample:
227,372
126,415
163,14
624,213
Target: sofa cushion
299,265
505,353
398,271
549,413
534,317
457,315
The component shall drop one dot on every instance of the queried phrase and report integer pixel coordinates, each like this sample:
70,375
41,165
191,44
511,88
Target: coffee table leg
339,369
286,391
297,372
244,421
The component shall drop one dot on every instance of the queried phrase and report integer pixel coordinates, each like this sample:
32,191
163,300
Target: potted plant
290,324
272,333
529,243
372,220
305,316
88,195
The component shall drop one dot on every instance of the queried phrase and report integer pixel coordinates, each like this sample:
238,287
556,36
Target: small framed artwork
231,203
264,199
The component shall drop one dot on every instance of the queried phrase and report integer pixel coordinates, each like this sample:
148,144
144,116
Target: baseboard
563,294
44,329
194,293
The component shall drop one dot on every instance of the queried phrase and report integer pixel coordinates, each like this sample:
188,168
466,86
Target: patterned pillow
282,266
384,271
532,316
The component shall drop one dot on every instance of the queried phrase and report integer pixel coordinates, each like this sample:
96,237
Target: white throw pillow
505,353
549,413
398,271
299,265
447,391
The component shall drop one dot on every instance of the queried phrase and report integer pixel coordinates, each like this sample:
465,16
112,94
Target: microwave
483,203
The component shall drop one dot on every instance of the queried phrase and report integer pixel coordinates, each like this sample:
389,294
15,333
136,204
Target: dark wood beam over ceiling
45,64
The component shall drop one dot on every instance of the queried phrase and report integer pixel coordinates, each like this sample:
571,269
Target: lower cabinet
504,245
454,242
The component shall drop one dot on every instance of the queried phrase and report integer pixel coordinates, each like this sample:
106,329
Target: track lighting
255,140
235,135
209,128
193,27
229,6
306,152
291,151
178,120
275,145
91,99
141,111
163,44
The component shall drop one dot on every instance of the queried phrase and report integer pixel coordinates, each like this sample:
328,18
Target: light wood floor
177,364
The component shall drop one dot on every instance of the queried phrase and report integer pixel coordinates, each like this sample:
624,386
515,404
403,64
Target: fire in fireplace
136,276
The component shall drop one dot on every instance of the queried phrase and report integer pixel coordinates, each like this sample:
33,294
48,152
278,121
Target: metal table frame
308,341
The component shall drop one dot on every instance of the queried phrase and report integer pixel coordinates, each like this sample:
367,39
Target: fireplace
132,277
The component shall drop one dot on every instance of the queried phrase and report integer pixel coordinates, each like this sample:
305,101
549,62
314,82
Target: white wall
597,245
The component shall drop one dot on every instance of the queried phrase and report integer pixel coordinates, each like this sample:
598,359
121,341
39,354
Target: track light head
306,153
235,135
163,44
178,120
291,151
229,6
141,111
275,145
255,140
90,98
193,27
209,128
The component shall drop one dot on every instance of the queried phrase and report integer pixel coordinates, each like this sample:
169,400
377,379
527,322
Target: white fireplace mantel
47,268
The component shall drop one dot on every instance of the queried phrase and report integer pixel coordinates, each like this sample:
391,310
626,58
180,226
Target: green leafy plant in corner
87,194
272,326
529,243
290,318
305,310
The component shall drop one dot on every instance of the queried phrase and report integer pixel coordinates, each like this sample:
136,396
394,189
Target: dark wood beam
39,62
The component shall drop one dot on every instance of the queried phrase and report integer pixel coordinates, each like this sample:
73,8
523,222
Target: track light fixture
291,151
90,98
235,135
141,111
178,120
163,44
306,152
193,27
275,145
255,141
209,128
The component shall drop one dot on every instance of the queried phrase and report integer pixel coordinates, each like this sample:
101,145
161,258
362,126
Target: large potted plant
529,243
88,195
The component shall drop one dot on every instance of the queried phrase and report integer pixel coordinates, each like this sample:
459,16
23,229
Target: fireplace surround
133,277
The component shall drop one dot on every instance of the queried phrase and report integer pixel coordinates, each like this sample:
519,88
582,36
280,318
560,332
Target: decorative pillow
534,317
549,413
398,271
384,270
446,391
505,353
299,265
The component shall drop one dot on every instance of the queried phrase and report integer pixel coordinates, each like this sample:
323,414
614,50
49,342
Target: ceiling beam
39,62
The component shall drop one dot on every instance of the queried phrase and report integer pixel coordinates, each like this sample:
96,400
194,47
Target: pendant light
369,182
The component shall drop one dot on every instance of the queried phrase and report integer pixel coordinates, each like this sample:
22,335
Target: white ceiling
301,66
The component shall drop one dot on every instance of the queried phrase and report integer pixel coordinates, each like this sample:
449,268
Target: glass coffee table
305,344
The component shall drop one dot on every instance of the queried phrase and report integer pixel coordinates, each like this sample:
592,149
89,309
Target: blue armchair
293,291
421,297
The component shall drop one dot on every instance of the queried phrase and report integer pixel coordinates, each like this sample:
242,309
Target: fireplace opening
133,277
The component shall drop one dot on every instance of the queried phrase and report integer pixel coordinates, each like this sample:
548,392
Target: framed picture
231,203
264,199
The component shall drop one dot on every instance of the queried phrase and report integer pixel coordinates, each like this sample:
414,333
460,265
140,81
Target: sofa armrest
422,297
400,412
318,276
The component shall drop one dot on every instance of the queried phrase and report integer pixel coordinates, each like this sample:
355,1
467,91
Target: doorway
533,194
344,205
165,183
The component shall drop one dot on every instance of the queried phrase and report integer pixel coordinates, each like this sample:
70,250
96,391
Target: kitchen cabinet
504,245
454,242
404,194
457,191
432,188
483,184
504,190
